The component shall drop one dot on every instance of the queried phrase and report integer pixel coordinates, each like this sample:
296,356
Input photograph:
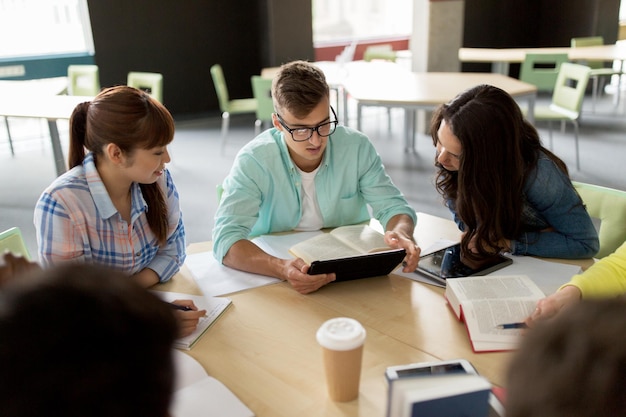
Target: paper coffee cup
342,341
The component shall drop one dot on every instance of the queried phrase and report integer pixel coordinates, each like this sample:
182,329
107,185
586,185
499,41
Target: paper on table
198,394
208,397
215,279
548,276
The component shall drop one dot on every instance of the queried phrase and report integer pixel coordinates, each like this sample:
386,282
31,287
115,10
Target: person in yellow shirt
605,278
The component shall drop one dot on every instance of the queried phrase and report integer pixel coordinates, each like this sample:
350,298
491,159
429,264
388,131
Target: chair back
11,240
542,70
150,82
83,80
570,87
609,206
217,74
589,41
262,92
383,52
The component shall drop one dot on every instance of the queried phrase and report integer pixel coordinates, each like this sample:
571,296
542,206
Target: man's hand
397,240
295,272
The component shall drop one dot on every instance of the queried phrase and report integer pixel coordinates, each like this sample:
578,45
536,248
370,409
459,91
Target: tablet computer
446,263
361,266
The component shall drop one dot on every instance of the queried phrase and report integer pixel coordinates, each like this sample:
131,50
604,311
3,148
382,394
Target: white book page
483,317
494,287
322,247
361,237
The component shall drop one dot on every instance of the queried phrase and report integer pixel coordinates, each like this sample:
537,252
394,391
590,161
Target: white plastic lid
341,333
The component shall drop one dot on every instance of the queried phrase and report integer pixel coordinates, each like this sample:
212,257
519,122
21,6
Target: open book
486,303
340,242
214,307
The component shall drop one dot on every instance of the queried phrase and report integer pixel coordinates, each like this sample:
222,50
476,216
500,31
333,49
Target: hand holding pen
509,326
187,316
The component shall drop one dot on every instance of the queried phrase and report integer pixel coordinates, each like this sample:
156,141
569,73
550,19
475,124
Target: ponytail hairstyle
130,119
499,150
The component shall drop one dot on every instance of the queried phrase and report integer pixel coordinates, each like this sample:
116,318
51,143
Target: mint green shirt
263,191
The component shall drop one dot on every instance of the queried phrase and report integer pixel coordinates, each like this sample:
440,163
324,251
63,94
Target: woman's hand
187,319
551,305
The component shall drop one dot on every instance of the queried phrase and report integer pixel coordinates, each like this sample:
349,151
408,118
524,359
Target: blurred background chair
609,206
262,92
83,80
383,52
11,240
600,73
228,106
150,82
567,100
542,70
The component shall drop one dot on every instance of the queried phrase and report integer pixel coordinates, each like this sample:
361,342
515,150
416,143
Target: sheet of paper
208,397
548,276
198,394
215,279
188,370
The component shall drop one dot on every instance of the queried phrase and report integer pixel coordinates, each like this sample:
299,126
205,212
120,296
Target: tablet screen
446,263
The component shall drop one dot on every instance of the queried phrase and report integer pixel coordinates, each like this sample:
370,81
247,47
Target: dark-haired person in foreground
572,366
83,340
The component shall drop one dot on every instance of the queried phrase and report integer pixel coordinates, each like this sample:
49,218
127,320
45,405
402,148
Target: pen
179,307
511,326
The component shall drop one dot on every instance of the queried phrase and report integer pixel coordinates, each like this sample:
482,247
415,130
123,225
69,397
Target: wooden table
263,348
33,99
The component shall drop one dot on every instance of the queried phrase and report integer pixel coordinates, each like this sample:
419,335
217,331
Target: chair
228,106
150,82
383,52
598,70
608,205
262,91
11,240
542,70
83,80
567,99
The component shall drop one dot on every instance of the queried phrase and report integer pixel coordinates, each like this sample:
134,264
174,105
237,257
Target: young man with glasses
306,173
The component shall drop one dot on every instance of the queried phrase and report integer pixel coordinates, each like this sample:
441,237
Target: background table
426,91
39,99
500,58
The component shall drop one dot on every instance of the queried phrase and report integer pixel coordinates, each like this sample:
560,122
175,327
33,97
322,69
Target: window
340,20
44,28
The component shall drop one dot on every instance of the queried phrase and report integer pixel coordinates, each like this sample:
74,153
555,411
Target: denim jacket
550,200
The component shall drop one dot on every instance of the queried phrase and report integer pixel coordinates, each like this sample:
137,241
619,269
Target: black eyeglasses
302,134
